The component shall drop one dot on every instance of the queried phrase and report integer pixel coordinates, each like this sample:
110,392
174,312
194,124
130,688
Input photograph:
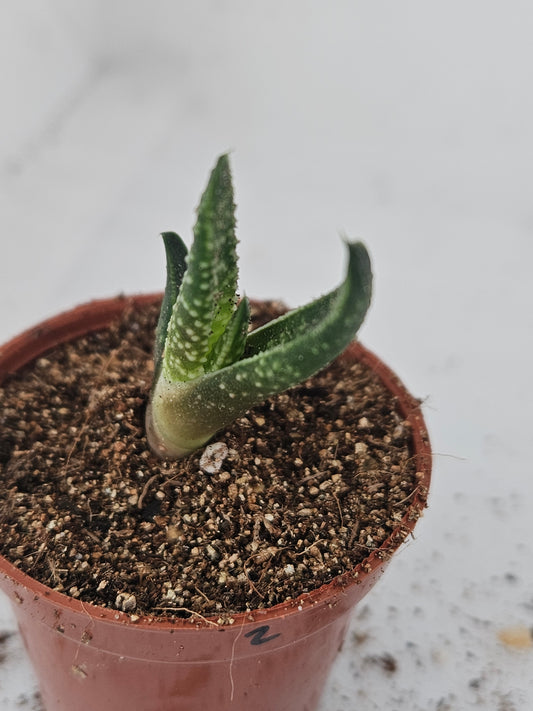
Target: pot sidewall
89,658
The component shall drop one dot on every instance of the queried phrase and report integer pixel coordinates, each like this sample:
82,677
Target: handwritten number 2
258,636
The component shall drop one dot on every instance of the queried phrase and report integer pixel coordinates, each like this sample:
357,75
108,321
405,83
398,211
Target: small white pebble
399,431
212,552
125,602
213,457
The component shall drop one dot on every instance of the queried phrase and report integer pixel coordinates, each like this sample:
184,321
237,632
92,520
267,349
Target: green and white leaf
288,326
176,253
230,346
207,298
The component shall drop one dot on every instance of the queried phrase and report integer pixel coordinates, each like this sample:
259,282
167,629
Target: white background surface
405,123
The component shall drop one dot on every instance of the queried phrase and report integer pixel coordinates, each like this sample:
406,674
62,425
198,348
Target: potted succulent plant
155,569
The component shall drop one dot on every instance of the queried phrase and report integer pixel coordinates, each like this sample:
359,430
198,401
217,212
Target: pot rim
97,314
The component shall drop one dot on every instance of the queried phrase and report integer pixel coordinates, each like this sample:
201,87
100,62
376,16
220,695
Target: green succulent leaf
207,298
285,328
230,346
176,253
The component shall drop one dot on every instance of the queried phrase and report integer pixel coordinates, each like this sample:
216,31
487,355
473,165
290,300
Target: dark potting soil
299,490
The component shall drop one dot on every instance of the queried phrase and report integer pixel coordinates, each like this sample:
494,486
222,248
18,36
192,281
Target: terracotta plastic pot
89,658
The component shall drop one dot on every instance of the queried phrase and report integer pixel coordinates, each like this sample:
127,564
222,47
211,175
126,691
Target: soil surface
296,492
